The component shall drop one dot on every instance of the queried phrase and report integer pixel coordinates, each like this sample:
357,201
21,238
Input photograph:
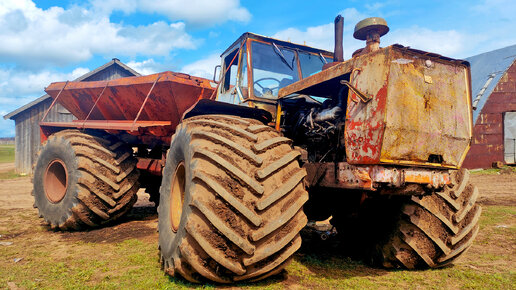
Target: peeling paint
402,61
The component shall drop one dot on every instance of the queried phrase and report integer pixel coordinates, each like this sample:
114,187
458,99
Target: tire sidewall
180,151
60,149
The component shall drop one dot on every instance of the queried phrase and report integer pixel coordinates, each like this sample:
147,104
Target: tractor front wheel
230,201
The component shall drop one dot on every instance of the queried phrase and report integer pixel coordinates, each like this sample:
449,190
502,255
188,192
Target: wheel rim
177,194
55,181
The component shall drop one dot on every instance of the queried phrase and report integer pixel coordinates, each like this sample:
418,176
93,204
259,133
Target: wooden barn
493,80
27,118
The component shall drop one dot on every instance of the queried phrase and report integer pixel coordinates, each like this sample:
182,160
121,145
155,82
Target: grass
67,261
6,153
490,171
9,175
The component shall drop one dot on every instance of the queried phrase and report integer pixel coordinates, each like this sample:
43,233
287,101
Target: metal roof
277,41
486,71
79,79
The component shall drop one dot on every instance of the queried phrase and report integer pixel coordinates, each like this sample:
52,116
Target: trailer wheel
83,181
434,230
230,201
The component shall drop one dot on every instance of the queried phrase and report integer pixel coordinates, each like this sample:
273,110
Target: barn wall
488,137
110,73
27,140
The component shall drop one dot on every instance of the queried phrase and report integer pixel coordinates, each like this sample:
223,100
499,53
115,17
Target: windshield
311,63
273,68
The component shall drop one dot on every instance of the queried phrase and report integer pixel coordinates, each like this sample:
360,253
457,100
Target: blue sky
46,41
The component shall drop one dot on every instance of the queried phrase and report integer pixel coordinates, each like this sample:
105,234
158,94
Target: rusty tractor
288,134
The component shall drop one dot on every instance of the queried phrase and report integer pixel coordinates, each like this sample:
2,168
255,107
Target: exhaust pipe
338,53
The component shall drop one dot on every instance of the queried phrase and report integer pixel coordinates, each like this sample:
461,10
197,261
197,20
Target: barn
493,84
27,118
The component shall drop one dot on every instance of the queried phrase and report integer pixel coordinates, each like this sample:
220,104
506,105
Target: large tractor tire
231,201
83,181
434,230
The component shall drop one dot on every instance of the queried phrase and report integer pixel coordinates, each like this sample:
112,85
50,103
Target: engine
316,126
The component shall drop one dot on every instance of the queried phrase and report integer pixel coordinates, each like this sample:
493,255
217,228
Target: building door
509,124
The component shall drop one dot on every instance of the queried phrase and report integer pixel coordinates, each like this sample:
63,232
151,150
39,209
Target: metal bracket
363,97
95,105
54,101
144,102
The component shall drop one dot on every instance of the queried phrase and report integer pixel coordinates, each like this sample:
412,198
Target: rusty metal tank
152,104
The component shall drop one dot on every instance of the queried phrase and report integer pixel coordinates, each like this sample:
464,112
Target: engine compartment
392,106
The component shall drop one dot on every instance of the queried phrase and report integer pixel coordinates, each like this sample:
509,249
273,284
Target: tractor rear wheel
83,181
230,201
434,230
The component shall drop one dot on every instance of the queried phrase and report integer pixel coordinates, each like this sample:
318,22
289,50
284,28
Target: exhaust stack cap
369,26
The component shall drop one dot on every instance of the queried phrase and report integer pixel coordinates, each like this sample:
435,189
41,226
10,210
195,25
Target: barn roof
85,77
486,71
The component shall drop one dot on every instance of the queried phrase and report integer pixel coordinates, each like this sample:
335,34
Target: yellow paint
423,117
278,119
415,163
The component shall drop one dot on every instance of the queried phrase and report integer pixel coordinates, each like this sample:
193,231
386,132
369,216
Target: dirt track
6,167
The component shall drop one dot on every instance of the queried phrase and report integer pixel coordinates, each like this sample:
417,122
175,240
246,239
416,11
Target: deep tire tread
446,223
107,183
247,199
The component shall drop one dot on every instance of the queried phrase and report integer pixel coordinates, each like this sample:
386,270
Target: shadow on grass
322,259
139,223
335,258
273,280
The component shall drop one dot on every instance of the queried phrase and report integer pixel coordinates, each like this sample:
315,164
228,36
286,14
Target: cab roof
251,35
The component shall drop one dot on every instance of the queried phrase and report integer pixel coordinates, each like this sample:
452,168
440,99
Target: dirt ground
496,189
16,204
6,167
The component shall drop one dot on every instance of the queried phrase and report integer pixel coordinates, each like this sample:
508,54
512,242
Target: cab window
230,76
273,68
311,63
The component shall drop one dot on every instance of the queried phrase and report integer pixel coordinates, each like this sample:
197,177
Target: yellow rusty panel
427,111
365,121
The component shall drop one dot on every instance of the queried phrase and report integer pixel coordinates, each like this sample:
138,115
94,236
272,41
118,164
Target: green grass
494,170
6,153
9,175
66,261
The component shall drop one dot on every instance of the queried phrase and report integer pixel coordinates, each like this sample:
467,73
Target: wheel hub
55,181
177,194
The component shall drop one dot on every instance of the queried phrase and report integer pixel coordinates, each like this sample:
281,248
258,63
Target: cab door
233,88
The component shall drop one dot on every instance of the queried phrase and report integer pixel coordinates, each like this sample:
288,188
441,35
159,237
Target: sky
47,41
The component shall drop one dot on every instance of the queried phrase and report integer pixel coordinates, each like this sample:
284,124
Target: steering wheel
257,82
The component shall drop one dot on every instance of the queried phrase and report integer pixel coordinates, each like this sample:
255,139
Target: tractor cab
255,67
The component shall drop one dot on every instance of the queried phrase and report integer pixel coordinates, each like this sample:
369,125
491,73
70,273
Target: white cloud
322,36
203,67
56,36
148,66
317,36
446,42
18,87
197,12
351,17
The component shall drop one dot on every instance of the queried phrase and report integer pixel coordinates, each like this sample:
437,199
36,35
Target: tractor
285,135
